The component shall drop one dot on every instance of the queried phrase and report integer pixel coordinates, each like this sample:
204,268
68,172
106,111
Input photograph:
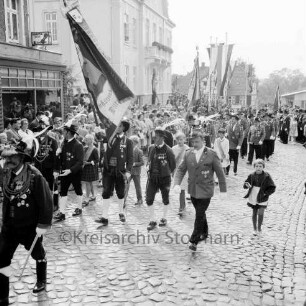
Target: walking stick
29,253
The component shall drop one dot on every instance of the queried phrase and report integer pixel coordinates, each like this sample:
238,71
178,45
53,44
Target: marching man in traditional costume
27,213
46,159
70,172
161,165
117,167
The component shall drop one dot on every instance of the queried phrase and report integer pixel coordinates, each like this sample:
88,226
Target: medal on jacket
205,173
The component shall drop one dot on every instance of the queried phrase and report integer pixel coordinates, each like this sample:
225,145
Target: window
126,28
11,10
134,78
147,32
134,31
154,32
51,25
161,35
127,72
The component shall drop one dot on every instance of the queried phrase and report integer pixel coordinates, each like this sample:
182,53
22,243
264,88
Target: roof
293,93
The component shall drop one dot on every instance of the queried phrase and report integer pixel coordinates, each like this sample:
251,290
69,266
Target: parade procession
127,178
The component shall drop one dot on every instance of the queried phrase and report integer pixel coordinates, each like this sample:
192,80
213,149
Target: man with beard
46,159
27,213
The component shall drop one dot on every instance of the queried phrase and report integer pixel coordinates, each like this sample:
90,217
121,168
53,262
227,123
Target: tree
288,81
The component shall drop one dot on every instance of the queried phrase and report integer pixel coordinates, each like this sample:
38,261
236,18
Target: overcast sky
271,34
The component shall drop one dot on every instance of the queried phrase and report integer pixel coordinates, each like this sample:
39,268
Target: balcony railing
157,55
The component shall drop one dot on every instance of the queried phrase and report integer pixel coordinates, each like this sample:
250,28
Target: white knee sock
152,213
63,204
105,209
79,201
165,212
121,202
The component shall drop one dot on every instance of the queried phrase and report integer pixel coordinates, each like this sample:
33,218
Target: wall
298,98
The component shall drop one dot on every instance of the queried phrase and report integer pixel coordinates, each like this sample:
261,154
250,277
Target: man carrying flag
117,166
111,98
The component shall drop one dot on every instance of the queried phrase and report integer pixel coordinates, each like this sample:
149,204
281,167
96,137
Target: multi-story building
27,74
242,88
135,36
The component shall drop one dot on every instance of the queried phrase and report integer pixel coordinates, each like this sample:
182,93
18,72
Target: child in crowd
260,186
136,170
90,168
179,151
221,147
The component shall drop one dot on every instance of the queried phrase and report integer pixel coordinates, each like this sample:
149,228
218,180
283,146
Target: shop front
27,86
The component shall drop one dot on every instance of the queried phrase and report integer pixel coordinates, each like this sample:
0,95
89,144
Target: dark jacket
161,161
72,156
266,189
46,156
138,161
34,206
122,150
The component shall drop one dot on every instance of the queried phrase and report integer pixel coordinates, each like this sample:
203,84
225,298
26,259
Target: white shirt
160,146
198,153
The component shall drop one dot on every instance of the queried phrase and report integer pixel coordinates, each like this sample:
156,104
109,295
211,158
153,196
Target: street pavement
123,264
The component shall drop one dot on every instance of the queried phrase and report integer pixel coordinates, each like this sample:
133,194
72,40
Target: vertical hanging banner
276,100
194,86
110,94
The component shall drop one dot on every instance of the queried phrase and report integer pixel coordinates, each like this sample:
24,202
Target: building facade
242,87
295,99
28,75
135,36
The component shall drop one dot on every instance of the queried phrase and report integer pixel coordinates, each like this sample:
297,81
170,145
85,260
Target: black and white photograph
153,152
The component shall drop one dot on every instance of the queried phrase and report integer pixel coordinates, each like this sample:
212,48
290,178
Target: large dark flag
110,94
276,99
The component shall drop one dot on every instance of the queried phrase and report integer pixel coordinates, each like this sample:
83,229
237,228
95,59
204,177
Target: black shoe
163,222
235,173
151,225
193,247
139,202
39,286
248,163
103,221
188,199
242,157
268,159
122,217
59,217
77,212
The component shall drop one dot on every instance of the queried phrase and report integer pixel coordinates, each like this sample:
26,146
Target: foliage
288,81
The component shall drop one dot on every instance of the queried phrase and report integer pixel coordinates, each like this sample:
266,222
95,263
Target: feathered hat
27,146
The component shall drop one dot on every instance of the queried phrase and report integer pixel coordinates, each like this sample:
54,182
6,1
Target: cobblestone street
123,264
